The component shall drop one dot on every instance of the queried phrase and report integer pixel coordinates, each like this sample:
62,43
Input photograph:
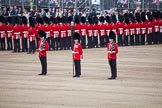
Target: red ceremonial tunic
109,55
42,52
77,49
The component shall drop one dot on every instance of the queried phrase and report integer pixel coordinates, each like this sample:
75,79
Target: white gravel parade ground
139,82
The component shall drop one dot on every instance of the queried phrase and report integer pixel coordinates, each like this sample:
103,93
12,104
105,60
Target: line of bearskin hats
83,20
32,22
112,35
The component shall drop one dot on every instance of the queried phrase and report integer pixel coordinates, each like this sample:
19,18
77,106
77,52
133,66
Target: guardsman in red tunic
68,28
108,28
112,50
156,28
143,28
77,54
2,33
16,34
160,24
138,29
89,32
24,34
132,30
9,33
83,27
120,27
62,33
39,26
150,29
102,31
42,48
32,36
96,32
56,30
126,31
47,29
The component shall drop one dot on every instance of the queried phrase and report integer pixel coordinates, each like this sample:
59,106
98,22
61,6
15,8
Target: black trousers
3,46
77,67
24,45
16,45
137,38
125,40
113,67
57,43
106,40
49,42
102,42
120,40
95,41
9,43
149,38
53,43
61,43
32,47
143,39
90,42
132,40
43,61
83,41
155,37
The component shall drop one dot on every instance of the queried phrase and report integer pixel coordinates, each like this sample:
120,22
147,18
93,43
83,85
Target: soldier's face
75,41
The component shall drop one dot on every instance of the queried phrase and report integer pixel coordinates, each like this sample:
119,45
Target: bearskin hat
76,36
42,33
77,20
113,17
127,20
121,18
24,20
83,19
17,20
96,20
112,35
108,19
32,21
90,20
9,20
70,19
143,16
102,19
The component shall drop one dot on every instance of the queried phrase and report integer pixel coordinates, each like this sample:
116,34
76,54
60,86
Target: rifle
72,35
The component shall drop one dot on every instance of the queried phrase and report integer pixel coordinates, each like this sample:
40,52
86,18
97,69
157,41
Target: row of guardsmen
131,29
